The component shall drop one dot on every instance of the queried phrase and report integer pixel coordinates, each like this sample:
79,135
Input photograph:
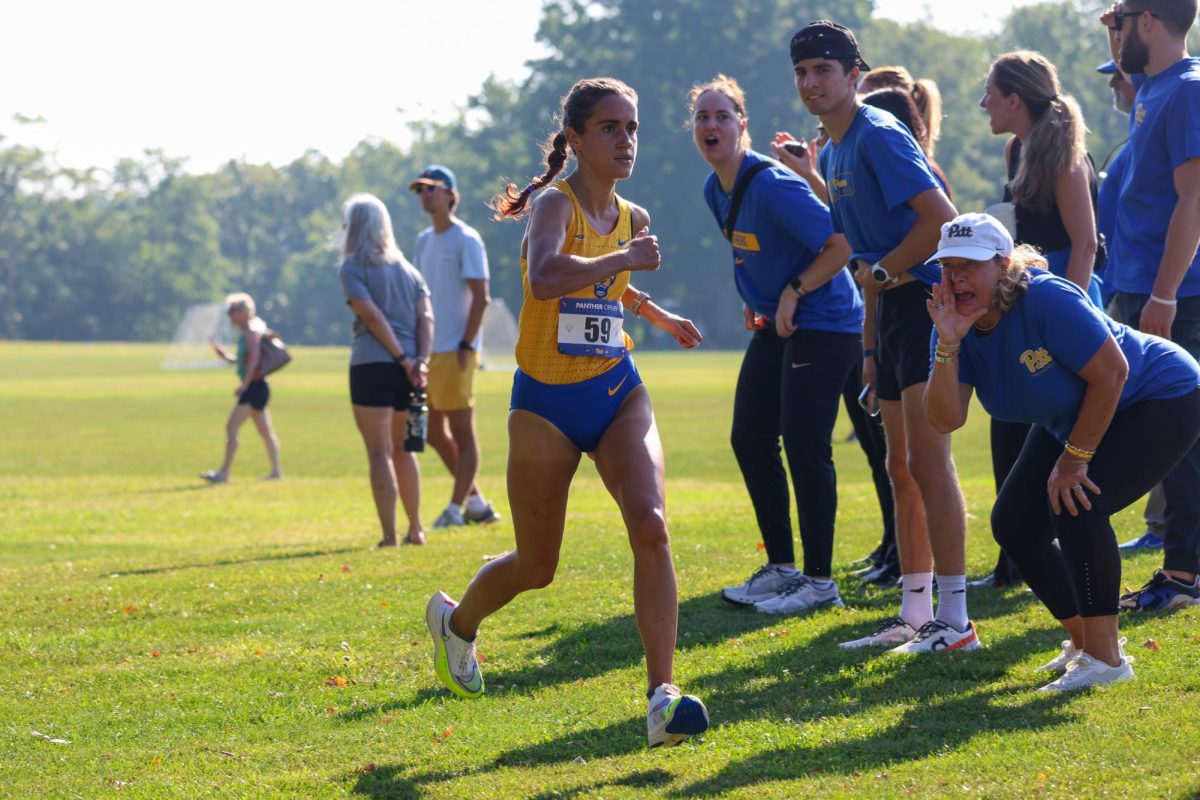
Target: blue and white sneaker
673,717
1147,541
766,582
1162,592
454,658
801,594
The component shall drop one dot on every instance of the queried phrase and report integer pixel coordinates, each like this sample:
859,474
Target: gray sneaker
485,516
450,518
766,582
800,594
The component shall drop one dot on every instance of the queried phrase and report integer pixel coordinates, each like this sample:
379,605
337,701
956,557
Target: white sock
952,601
916,598
788,572
476,503
822,583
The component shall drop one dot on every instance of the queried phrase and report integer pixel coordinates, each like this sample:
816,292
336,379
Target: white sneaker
1068,654
1059,662
673,717
891,632
1085,671
800,594
765,583
454,658
936,636
450,518
483,515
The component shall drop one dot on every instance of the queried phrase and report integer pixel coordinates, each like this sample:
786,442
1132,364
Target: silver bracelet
1157,299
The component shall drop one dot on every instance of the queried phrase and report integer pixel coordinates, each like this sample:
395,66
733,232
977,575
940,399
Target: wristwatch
465,345
797,286
880,274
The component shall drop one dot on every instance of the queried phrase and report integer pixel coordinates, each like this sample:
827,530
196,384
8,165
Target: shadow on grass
230,562
947,702
593,649
189,487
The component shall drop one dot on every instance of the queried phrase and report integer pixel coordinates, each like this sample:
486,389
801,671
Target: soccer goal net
499,337
190,348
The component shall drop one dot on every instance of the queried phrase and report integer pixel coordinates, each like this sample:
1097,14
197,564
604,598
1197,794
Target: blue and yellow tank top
542,336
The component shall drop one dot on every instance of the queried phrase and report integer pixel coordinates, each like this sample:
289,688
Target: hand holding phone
798,149
868,401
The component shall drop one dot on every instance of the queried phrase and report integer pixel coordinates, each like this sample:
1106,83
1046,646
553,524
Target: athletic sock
822,583
916,598
789,572
952,601
475,503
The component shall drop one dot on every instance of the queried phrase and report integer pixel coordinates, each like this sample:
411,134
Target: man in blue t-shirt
1154,265
884,198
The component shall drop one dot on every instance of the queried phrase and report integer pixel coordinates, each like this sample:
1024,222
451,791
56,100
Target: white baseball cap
979,237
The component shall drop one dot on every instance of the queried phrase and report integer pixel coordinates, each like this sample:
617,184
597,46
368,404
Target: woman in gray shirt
389,357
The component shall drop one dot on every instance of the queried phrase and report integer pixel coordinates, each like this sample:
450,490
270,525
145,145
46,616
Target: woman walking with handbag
252,392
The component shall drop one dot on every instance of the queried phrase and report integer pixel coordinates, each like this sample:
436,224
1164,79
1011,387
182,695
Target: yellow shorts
451,388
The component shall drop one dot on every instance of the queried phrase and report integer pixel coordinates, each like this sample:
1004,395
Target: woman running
576,391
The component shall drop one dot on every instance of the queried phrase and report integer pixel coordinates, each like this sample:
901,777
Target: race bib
590,328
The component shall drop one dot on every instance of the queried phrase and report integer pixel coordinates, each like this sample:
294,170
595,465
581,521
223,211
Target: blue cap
435,175
1107,68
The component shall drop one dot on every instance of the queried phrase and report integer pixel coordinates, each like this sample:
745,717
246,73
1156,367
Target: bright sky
264,80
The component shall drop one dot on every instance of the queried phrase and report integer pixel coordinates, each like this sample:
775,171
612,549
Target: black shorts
256,395
902,350
380,385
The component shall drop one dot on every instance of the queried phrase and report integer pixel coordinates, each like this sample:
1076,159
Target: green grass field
183,640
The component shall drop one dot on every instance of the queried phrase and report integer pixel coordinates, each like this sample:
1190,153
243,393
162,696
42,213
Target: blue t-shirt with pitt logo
781,226
872,173
1164,132
1027,368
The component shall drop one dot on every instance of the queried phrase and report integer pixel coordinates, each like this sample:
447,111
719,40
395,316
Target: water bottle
418,423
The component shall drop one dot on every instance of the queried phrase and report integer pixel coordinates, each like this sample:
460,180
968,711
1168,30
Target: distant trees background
119,253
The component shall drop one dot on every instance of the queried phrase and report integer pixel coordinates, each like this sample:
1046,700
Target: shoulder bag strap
739,191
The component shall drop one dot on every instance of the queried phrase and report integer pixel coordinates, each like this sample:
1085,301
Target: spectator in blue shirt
1154,265
885,199
1096,392
806,316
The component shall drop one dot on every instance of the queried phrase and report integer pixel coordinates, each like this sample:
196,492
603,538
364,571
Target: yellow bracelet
941,359
1079,452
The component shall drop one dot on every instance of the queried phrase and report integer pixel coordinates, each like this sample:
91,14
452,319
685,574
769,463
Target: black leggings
1007,439
790,388
1082,574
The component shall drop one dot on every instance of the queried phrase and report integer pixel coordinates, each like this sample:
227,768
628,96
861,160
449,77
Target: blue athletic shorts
582,411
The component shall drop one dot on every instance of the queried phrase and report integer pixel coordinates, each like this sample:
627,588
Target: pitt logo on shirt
842,186
1139,116
1036,360
744,241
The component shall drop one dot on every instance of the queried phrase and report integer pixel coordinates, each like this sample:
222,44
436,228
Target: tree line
119,254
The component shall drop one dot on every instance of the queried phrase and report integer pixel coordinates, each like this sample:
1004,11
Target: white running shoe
453,656
936,636
891,632
1059,662
1085,671
450,518
765,583
800,594
673,717
1068,653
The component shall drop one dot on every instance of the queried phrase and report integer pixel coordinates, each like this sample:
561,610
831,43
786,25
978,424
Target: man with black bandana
884,197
